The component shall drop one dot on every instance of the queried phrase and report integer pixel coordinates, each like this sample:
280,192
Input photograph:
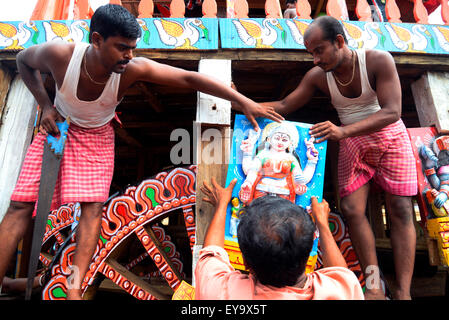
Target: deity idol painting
281,160
432,155
432,158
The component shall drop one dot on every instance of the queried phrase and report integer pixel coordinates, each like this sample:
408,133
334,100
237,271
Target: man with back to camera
364,88
91,80
275,238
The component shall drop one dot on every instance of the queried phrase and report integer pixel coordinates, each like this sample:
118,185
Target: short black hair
330,27
275,237
112,20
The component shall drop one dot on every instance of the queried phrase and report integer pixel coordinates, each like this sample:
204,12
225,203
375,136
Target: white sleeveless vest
351,110
86,114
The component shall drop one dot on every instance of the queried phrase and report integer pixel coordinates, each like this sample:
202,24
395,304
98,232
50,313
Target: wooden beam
151,97
431,94
213,116
125,136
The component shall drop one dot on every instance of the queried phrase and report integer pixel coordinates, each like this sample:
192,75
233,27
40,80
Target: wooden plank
385,243
120,275
424,286
417,61
431,94
167,261
151,97
15,137
209,120
5,82
204,211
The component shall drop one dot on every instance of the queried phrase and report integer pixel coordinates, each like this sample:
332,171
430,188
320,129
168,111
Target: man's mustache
123,62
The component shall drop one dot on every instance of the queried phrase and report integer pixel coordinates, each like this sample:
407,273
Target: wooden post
177,9
431,95
211,145
5,81
15,137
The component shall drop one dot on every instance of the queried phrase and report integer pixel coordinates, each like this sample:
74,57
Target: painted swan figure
252,34
181,36
403,39
363,38
12,37
55,30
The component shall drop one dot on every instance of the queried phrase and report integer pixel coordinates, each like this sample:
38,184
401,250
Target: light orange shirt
216,279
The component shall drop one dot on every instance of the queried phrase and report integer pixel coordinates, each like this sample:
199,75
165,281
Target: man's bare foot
74,294
374,295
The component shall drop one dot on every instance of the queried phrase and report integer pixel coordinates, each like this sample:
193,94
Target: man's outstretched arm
151,71
331,254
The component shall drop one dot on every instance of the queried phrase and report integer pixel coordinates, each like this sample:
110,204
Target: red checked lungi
86,167
386,156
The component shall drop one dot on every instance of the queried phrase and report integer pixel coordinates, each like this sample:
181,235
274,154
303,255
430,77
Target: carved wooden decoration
273,9
333,9
420,12
241,9
337,9
303,9
392,11
444,11
177,9
209,9
363,11
81,9
135,212
146,9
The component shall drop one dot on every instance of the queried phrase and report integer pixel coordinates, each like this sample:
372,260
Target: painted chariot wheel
341,235
135,249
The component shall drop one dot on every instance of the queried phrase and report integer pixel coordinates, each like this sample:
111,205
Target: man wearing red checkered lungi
91,80
364,88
